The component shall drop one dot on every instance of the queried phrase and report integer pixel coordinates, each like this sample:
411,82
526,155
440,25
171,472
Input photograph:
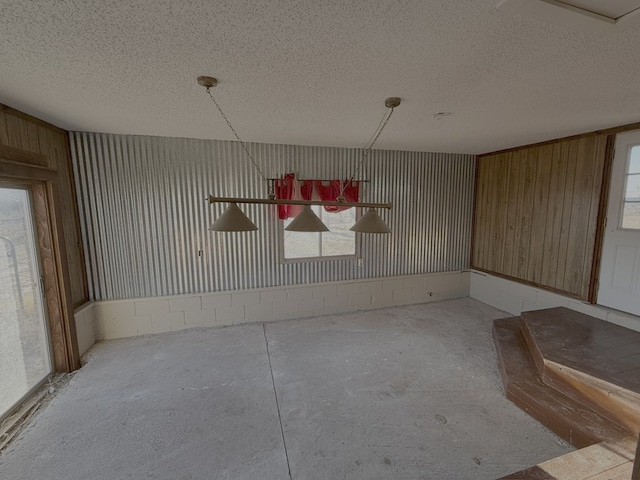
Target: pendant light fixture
370,222
234,220
307,221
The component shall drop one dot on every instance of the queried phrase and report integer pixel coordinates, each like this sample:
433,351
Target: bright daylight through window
338,242
631,210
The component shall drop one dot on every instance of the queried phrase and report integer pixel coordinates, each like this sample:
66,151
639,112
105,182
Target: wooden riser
593,362
603,461
577,424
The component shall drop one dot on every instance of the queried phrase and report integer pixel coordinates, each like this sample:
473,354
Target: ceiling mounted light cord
391,103
371,222
234,220
244,146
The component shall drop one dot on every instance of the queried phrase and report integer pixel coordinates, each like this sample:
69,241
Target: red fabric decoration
306,189
301,191
288,188
331,192
283,188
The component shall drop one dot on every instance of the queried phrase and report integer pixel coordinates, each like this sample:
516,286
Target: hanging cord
244,146
367,148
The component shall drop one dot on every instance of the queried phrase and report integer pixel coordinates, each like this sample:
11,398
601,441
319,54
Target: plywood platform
579,425
580,377
603,461
594,362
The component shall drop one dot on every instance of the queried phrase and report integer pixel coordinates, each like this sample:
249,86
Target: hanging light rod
234,220
275,201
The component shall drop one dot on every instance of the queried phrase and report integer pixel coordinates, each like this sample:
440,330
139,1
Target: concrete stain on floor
401,393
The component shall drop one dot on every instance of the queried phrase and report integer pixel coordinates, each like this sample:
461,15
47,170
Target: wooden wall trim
474,209
20,156
9,169
62,331
602,216
30,119
606,131
79,244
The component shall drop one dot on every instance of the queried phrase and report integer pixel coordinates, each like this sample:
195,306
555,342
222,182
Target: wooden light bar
275,201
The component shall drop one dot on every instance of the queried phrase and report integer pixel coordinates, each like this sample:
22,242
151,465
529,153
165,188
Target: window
631,208
338,242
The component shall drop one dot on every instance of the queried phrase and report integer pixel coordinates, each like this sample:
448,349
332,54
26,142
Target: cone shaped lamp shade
370,222
307,221
233,220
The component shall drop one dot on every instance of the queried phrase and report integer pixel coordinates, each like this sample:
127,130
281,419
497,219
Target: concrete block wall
85,326
515,298
141,316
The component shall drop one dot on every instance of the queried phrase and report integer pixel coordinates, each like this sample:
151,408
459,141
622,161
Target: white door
620,265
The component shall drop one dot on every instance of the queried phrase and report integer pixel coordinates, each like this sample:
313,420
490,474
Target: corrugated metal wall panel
145,217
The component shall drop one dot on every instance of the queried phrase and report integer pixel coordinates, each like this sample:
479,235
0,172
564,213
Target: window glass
631,204
631,215
632,192
300,244
339,241
634,160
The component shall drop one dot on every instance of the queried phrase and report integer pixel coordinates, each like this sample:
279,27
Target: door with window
25,358
620,264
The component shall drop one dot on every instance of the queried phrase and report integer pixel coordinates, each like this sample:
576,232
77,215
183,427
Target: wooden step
577,424
602,461
592,361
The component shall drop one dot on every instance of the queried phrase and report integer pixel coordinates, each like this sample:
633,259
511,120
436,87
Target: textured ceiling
315,72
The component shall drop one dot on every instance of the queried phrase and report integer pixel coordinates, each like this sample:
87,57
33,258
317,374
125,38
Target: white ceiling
612,9
316,72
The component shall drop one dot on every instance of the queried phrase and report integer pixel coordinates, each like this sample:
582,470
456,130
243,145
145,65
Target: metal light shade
233,220
307,221
370,222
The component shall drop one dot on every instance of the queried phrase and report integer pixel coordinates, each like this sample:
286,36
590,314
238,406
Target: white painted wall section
85,326
142,316
515,298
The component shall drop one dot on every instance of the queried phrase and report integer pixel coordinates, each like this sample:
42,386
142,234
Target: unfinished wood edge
624,409
616,466
608,457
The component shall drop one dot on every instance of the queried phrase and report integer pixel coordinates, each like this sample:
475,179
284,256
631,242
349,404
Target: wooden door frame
42,185
601,224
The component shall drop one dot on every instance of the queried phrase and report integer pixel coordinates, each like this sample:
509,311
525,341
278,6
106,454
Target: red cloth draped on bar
331,192
283,188
288,188
306,189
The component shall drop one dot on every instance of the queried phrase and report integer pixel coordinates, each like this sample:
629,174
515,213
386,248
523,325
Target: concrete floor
401,393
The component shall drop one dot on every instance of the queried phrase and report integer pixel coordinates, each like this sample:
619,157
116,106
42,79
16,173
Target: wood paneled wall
537,212
37,154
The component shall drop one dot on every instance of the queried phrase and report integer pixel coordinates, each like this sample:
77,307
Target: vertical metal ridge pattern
145,217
